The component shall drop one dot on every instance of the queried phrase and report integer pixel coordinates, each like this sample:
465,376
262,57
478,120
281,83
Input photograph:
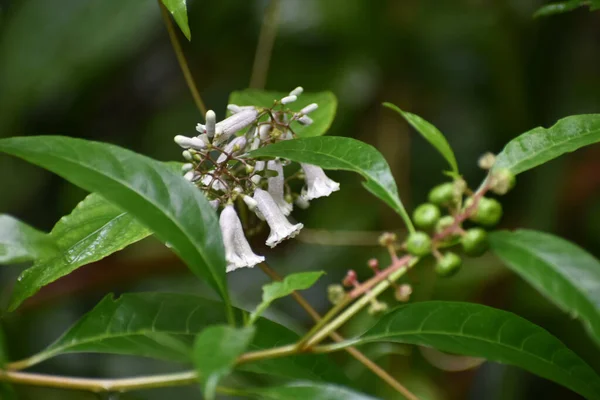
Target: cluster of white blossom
218,164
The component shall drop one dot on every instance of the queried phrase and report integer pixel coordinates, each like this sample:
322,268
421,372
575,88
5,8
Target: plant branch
264,48
189,79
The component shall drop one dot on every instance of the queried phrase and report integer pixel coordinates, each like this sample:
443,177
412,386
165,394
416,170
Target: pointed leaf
276,290
307,390
94,229
20,242
322,117
431,134
178,10
216,350
564,273
334,152
175,210
564,6
541,145
480,331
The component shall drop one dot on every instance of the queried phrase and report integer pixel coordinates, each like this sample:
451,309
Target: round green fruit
488,212
444,223
418,244
442,194
426,215
474,242
448,265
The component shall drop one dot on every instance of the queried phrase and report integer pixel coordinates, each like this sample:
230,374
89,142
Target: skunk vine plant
247,170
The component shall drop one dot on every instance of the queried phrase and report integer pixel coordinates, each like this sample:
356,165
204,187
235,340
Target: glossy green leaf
431,134
175,210
276,290
178,10
94,229
565,6
541,145
163,326
480,331
216,350
20,242
322,117
307,390
333,152
563,272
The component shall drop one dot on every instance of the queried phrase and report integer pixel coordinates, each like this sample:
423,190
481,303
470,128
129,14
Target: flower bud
387,239
187,167
335,293
448,265
309,108
426,215
211,120
305,120
297,92
377,307
289,99
403,292
502,181
487,161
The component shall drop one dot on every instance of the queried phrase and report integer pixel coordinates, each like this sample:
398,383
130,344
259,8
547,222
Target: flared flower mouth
317,183
238,252
281,228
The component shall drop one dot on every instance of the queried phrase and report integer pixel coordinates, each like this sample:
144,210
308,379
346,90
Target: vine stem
189,79
266,39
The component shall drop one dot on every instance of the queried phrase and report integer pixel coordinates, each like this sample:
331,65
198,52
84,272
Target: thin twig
189,79
266,39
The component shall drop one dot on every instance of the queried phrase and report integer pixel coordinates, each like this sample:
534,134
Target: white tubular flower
237,249
305,120
309,108
297,92
289,99
214,203
211,120
276,187
259,166
216,185
190,143
281,228
236,122
201,128
234,147
318,184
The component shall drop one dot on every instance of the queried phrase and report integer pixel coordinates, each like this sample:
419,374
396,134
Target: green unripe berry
448,265
426,215
488,212
442,194
474,242
418,244
444,223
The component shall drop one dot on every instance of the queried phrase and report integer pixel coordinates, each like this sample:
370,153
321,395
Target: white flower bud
250,202
289,99
211,120
297,92
236,146
238,252
209,180
259,166
187,155
235,123
264,132
305,120
189,176
201,128
234,108
281,228
318,184
187,167
190,143
309,108
301,202
276,187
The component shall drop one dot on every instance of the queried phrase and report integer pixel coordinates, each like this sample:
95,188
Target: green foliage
563,272
480,331
322,117
276,290
94,229
345,154
162,200
178,10
307,390
216,350
541,145
20,242
431,134
564,6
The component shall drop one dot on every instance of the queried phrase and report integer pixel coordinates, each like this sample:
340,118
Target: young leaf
93,230
307,390
216,350
20,242
322,117
163,326
479,331
431,134
334,152
162,200
563,272
541,145
564,6
276,290
178,10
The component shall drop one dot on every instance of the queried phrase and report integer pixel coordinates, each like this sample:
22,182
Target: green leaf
322,117
6,390
431,134
163,326
541,145
94,229
334,152
479,331
276,290
175,210
216,350
564,6
564,273
178,10
307,390
20,242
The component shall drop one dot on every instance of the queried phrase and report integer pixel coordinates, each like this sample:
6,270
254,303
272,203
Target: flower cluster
218,164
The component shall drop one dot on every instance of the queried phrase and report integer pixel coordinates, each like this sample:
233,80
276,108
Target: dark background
483,71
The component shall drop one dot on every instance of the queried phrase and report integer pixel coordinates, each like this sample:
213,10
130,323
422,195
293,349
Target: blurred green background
483,71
